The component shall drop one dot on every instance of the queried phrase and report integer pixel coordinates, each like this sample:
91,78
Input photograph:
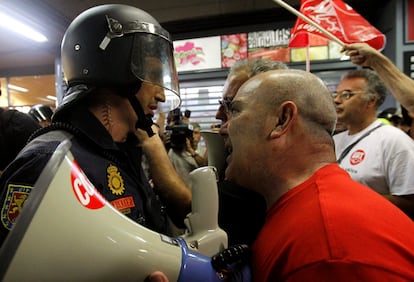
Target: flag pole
309,21
307,58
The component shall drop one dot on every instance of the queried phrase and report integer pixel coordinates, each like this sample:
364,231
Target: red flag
339,19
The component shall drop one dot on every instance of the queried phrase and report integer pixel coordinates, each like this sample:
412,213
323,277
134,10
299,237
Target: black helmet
41,113
110,46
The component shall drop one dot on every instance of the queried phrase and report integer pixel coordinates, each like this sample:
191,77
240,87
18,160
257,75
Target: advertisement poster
315,53
197,54
335,50
233,48
270,44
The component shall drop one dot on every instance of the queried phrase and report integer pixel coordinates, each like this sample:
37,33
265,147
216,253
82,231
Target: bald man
320,223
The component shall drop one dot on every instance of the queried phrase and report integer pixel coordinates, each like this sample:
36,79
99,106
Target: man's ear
287,112
373,101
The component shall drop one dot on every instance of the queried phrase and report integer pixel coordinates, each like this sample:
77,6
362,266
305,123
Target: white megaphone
68,232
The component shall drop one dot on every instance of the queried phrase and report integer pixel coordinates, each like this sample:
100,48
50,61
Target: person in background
377,155
195,148
118,63
42,114
320,225
400,85
181,153
408,121
241,211
387,115
15,129
392,117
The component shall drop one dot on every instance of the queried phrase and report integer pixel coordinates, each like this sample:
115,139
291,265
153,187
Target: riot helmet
41,113
117,46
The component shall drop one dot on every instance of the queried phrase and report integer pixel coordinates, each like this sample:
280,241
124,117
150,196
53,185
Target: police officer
118,63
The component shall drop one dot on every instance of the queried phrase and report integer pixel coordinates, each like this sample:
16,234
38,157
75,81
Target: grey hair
255,66
310,94
375,86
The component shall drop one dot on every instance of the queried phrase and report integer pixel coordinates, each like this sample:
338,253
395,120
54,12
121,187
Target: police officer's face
149,95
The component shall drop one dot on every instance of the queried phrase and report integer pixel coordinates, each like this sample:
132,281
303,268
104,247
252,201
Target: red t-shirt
331,228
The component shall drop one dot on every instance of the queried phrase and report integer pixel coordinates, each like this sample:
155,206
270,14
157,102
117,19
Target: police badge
13,203
115,181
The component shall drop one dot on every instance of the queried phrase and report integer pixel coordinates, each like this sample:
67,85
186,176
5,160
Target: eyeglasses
346,94
225,104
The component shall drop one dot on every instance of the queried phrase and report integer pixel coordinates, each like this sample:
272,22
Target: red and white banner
339,19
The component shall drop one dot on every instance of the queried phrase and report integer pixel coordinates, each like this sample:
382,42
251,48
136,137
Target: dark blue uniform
113,168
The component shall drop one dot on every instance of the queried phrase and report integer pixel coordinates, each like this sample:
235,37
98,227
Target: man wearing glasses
377,155
241,212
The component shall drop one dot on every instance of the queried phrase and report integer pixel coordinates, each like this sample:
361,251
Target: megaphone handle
205,199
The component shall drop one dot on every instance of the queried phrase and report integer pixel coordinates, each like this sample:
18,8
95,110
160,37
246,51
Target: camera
178,129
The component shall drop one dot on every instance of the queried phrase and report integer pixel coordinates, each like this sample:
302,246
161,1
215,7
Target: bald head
278,131
307,91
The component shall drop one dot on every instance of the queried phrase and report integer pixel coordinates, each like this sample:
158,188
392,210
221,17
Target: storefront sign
270,44
233,48
197,54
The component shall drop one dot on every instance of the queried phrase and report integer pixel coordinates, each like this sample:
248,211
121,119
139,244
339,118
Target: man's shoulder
340,135
44,144
31,159
391,134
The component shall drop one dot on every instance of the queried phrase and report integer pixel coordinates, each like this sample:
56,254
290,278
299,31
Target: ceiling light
51,97
21,28
18,88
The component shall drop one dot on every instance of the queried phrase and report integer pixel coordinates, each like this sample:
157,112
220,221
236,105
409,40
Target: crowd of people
315,183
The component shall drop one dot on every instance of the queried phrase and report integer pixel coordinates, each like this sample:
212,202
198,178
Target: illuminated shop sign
218,52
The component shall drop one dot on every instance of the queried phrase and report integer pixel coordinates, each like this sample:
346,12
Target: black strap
144,121
347,149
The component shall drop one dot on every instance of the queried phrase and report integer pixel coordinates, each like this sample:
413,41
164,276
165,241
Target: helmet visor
152,61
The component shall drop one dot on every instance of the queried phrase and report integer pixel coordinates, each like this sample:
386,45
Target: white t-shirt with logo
383,160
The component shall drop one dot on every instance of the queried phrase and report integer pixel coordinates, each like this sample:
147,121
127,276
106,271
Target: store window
201,98
3,96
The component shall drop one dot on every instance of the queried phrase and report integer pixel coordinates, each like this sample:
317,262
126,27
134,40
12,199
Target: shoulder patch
15,198
115,181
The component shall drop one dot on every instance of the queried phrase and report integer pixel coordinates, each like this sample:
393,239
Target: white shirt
383,160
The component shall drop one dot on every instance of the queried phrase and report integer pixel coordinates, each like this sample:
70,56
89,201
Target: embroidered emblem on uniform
13,203
115,181
124,205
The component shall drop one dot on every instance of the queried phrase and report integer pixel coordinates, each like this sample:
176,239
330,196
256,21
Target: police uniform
113,168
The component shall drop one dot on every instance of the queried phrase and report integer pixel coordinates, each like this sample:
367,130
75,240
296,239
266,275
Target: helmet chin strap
144,121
